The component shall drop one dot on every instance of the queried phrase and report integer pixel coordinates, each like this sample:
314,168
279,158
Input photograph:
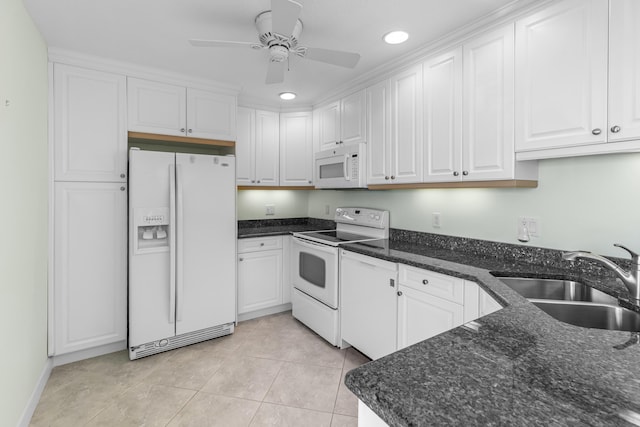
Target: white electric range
315,267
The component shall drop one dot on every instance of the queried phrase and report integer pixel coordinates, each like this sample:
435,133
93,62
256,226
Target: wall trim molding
32,403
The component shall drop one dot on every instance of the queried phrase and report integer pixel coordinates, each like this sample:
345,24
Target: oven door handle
315,246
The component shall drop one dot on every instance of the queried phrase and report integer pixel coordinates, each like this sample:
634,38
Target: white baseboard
264,312
25,419
63,359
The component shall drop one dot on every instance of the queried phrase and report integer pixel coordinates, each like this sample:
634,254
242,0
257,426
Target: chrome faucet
629,278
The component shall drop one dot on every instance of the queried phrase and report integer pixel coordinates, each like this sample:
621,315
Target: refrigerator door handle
172,244
180,247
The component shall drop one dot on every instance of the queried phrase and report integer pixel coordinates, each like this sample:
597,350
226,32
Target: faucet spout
629,278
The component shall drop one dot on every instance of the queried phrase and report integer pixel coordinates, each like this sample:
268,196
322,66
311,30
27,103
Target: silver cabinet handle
122,188
258,181
596,131
615,129
190,131
386,177
241,259
310,182
399,293
337,142
465,173
122,175
262,244
456,173
182,130
393,177
425,282
392,283
253,181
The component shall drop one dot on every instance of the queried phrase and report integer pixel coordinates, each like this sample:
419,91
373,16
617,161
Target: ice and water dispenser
151,230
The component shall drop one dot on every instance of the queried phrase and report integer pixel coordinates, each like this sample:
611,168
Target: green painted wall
23,211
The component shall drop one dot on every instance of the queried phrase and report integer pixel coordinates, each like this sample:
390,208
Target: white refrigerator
182,249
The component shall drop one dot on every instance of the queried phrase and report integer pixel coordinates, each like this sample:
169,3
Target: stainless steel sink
575,303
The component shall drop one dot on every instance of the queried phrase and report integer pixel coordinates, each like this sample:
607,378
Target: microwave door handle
347,175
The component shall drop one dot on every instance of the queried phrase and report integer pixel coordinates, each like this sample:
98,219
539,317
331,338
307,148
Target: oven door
314,270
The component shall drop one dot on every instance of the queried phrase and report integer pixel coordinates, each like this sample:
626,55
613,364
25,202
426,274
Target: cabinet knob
425,282
310,182
122,175
258,181
393,177
596,131
253,181
190,131
122,188
465,173
182,130
386,177
456,173
262,244
240,259
337,142
399,293
615,129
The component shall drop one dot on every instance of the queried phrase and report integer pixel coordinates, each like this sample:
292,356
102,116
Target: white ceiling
154,33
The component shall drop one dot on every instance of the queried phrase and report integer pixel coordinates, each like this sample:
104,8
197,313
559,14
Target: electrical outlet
435,220
270,209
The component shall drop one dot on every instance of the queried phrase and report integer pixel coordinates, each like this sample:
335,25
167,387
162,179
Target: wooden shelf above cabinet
510,183
180,139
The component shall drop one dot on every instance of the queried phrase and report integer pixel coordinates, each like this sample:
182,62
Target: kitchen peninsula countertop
522,367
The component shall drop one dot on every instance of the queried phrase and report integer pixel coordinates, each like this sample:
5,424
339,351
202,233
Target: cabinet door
156,107
296,149
379,135
259,280
443,117
422,316
329,126
487,140
561,69
368,304
406,126
90,134
211,115
267,157
245,146
624,70
353,119
90,265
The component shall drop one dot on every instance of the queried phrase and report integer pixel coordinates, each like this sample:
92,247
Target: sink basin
575,303
590,315
562,290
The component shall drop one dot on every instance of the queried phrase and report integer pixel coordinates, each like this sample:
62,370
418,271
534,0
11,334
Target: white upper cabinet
443,117
406,126
378,129
257,147
342,122
488,77
624,70
296,149
561,71
175,110
90,134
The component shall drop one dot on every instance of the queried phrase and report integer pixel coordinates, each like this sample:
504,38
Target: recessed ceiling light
287,96
396,37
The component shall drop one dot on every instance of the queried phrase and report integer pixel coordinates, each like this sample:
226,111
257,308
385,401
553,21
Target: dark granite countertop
522,367
279,227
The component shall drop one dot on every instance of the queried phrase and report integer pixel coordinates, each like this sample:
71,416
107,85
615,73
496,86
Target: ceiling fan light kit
279,30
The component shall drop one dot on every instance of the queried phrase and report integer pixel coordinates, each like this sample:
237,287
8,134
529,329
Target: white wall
23,210
582,203
288,203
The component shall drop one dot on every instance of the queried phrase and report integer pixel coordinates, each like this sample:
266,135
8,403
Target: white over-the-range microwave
341,167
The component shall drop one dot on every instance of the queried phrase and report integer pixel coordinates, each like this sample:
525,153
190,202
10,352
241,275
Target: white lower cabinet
386,306
368,303
263,282
90,265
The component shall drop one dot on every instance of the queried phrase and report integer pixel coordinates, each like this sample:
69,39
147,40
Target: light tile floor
273,371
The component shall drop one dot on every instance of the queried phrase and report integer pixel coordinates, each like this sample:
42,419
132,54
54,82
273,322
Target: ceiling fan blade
284,15
335,57
222,43
275,72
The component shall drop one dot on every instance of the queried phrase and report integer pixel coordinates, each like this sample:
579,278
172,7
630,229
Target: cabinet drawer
369,261
440,285
259,244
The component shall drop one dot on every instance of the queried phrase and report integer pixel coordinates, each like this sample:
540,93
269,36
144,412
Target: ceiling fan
278,32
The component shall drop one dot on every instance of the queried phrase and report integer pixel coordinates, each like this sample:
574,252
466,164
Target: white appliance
341,167
182,249
315,267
